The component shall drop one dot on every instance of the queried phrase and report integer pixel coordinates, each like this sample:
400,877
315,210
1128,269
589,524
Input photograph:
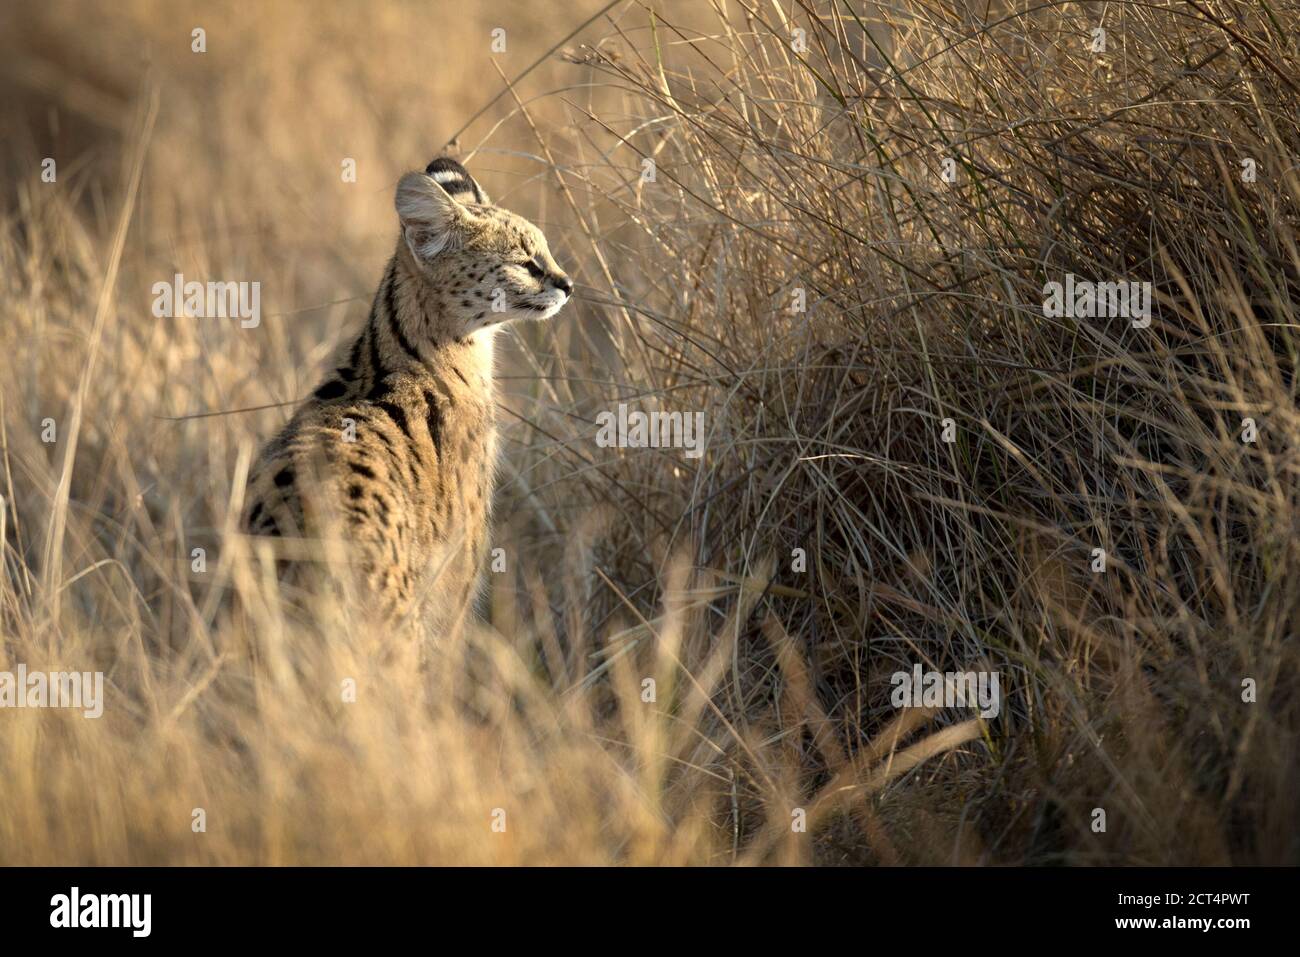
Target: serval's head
482,264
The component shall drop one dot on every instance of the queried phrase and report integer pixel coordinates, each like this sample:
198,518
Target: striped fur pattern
395,451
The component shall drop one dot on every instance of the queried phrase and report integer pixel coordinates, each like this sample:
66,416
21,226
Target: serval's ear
455,179
432,220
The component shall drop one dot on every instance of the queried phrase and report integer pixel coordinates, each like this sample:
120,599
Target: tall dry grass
775,170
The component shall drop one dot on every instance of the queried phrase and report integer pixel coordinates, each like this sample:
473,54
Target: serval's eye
535,270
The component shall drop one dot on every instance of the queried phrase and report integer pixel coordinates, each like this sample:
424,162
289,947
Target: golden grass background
776,170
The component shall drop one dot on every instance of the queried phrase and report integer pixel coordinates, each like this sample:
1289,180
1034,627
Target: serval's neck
413,328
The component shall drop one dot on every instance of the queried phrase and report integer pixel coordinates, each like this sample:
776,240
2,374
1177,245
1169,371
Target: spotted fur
412,493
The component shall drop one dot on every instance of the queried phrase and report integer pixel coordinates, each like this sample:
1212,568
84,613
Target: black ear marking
455,179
